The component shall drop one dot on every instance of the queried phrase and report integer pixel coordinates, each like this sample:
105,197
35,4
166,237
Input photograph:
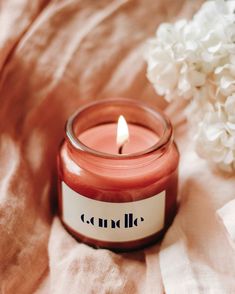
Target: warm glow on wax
122,131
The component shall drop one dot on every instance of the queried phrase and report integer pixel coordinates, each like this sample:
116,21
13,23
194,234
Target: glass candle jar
117,201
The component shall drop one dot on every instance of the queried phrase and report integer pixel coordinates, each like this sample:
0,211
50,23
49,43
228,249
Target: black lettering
100,221
136,221
126,220
115,224
92,220
82,218
105,223
130,220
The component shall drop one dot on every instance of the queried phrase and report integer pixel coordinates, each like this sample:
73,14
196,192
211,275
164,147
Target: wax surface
103,138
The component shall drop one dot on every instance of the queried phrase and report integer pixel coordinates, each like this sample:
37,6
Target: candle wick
120,149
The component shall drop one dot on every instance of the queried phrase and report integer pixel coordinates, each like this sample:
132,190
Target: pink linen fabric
55,56
227,216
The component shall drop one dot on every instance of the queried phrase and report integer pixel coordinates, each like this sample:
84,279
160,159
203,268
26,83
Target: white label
114,222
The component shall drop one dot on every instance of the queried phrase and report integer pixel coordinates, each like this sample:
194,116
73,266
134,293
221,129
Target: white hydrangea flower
171,58
225,77
215,139
195,60
230,108
214,30
182,54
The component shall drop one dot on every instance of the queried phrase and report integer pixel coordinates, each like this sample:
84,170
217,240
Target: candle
118,181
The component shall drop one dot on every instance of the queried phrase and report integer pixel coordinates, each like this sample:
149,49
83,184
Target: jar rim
164,140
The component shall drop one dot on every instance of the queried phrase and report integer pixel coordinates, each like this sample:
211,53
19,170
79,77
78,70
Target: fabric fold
227,216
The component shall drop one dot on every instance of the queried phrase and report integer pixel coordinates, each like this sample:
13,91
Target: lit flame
122,131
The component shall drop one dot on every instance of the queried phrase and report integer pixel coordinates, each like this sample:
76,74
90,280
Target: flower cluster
195,60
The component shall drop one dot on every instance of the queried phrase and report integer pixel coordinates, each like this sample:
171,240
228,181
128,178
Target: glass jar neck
108,111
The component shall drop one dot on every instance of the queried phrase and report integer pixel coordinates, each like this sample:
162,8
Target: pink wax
120,202
103,138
